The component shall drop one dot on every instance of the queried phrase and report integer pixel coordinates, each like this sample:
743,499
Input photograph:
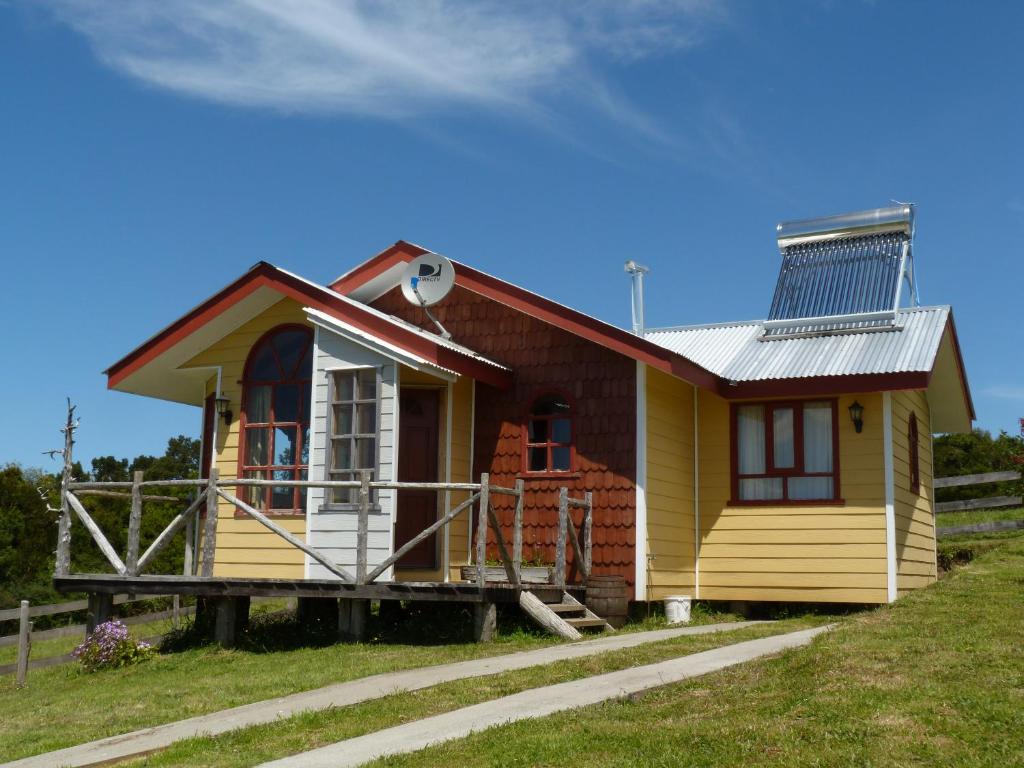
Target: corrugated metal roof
740,352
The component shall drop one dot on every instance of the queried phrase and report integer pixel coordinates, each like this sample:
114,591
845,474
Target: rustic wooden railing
212,489
567,529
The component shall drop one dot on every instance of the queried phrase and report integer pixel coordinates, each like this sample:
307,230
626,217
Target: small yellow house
786,459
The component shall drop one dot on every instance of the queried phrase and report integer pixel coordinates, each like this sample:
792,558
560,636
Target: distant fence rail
987,502
23,639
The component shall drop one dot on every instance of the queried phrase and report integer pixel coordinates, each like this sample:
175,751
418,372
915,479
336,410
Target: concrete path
537,702
343,694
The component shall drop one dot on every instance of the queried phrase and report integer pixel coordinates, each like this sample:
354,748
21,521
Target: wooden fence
25,636
988,502
213,489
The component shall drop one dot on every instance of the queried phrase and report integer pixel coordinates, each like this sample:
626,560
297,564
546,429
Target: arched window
275,417
549,435
915,459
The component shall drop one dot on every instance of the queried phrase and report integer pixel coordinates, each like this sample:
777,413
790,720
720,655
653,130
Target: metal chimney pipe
637,273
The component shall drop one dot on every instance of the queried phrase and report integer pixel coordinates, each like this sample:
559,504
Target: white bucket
677,609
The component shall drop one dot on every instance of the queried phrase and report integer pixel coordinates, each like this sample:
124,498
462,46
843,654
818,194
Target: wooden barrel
608,597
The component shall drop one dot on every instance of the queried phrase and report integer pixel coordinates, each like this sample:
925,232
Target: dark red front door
417,463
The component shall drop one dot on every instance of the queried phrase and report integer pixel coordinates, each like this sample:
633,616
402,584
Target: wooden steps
564,618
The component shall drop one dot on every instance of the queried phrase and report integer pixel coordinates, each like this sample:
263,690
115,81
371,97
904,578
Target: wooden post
210,525
588,532
176,611
517,531
363,526
481,530
131,561
352,615
563,530
24,643
485,621
232,614
63,562
188,567
100,607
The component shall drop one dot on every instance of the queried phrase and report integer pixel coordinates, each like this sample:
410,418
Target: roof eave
317,297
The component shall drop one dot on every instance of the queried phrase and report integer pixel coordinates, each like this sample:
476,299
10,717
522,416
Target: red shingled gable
534,305
544,357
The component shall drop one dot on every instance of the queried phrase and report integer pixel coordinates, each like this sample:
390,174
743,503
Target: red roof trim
827,385
183,326
543,309
264,274
376,266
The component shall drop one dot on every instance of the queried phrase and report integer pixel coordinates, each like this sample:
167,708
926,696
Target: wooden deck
205,586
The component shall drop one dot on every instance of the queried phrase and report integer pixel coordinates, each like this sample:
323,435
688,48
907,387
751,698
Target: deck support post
362,526
352,616
563,531
517,532
210,524
131,558
99,609
485,621
232,616
481,530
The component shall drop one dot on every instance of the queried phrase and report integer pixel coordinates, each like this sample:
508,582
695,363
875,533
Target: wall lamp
857,416
224,409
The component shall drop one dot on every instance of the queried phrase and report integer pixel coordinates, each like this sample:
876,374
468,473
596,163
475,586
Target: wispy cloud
389,58
1005,393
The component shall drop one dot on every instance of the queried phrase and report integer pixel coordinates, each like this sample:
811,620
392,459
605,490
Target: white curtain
750,436
817,454
751,449
818,437
782,438
761,489
810,488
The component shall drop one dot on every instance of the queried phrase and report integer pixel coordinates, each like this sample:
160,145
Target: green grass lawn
272,662
250,746
60,646
936,679
947,519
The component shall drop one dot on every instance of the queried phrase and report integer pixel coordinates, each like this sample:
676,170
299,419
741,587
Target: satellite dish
427,279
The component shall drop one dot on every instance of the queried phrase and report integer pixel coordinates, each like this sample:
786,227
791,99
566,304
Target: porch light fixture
857,416
224,409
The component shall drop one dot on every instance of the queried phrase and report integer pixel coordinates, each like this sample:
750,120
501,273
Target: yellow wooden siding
794,553
670,520
244,547
915,522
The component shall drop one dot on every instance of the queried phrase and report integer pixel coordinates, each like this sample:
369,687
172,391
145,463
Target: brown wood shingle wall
602,385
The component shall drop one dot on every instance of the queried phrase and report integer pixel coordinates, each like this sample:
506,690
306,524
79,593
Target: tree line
28,530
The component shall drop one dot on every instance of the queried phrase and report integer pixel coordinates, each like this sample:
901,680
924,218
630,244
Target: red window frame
548,444
298,469
798,454
914,457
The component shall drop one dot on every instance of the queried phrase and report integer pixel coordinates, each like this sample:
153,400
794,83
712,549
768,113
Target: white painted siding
332,529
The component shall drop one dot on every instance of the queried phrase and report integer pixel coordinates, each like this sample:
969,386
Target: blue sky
151,155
